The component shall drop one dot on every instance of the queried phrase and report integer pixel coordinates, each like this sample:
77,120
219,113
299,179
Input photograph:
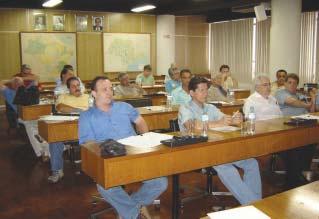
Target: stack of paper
248,212
58,118
305,116
147,140
155,108
225,129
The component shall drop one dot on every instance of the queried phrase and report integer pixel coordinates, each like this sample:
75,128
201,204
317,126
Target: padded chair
208,171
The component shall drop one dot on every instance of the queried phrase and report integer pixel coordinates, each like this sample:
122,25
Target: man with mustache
72,102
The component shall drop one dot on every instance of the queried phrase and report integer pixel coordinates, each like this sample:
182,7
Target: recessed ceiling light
143,8
51,3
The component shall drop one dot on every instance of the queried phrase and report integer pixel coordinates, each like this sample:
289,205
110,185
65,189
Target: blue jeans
245,190
128,206
56,151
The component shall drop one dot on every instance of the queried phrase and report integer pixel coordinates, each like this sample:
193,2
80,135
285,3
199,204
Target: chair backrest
140,102
173,124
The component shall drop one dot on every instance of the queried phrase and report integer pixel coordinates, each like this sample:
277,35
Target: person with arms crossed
293,103
125,89
74,101
145,78
245,190
113,120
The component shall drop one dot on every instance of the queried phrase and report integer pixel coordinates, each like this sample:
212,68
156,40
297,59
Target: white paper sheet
218,102
225,129
58,118
239,213
306,116
147,140
155,108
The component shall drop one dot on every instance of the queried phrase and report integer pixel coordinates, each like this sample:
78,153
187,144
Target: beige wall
191,43
89,44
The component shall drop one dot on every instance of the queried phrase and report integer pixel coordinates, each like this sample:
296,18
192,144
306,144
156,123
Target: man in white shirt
265,105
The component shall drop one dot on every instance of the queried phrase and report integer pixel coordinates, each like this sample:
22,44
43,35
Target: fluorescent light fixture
143,8
51,3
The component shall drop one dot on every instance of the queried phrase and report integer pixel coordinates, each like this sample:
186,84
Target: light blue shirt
9,95
171,85
191,110
287,110
97,125
180,96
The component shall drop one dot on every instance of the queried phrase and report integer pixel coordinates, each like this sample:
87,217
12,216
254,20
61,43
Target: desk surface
138,165
301,202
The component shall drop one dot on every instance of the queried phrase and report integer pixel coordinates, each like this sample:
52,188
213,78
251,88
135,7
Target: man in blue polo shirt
113,120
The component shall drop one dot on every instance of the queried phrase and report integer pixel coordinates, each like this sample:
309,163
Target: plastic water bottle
305,87
230,96
90,100
251,120
169,102
204,124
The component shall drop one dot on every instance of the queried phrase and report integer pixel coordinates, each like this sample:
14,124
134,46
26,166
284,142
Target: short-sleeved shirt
180,96
9,95
63,89
287,110
145,81
133,91
27,83
171,85
275,88
264,108
81,102
216,94
97,125
191,110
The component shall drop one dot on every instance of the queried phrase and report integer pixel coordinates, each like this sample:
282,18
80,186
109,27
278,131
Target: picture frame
81,23
58,22
97,23
39,21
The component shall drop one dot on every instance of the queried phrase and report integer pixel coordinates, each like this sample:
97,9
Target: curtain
308,48
262,47
231,44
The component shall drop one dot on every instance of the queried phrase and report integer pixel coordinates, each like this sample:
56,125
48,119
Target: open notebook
247,212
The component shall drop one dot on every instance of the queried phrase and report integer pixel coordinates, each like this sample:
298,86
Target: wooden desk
301,202
33,112
241,94
229,109
154,89
271,136
139,165
157,99
68,130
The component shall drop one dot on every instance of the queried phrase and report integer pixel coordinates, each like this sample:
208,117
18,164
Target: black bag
112,148
27,96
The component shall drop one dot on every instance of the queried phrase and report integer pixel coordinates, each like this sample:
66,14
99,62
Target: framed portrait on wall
58,22
39,21
97,23
81,22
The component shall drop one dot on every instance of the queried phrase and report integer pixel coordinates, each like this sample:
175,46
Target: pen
234,114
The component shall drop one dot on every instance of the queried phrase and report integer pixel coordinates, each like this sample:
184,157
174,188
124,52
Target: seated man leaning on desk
75,101
113,120
216,92
293,103
180,94
125,89
245,190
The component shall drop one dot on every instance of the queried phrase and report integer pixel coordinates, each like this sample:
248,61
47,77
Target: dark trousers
298,160
12,116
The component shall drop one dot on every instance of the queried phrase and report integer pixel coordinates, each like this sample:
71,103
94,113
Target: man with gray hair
265,105
125,89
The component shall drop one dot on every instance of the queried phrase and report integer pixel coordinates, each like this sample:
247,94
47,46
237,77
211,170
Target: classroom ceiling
215,10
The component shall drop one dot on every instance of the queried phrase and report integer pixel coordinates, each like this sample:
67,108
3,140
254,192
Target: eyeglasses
265,85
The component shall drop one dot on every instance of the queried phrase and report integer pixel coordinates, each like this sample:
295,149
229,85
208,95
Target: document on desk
58,118
218,102
147,140
305,116
239,213
227,128
155,108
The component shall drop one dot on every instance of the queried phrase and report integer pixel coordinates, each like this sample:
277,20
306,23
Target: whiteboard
125,52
